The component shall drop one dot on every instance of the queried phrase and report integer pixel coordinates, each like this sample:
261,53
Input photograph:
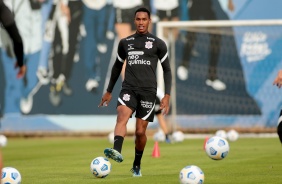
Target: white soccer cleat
182,73
26,104
42,76
102,48
91,84
216,84
110,35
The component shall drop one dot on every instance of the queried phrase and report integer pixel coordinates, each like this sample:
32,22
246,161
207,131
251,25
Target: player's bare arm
278,79
105,99
7,20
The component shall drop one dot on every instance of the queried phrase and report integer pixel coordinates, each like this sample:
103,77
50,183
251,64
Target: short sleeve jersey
142,53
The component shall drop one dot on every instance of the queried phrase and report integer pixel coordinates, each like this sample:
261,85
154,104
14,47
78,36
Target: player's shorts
158,106
126,16
169,14
142,103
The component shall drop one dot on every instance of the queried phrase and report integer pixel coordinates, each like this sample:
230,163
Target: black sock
118,141
138,157
279,131
279,127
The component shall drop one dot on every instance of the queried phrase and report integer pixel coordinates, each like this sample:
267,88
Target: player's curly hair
143,9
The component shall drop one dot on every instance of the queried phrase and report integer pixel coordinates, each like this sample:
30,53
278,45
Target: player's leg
182,70
125,108
124,114
144,115
140,143
214,51
76,14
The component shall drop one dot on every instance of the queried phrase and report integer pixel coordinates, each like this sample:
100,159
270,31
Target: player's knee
140,133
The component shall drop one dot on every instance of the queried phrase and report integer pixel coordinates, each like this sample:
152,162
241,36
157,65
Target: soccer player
202,9
7,20
157,110
141,51
278,83
167,10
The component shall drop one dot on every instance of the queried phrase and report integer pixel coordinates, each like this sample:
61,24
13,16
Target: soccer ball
10,175
100,167
217,148
3,140
111,137
191,174
221,133
232,135
159,136
178,136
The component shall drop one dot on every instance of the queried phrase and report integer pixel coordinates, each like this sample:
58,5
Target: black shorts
169,14
143,103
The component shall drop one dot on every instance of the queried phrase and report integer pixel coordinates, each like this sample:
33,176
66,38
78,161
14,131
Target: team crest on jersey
148,45
130,46
126,97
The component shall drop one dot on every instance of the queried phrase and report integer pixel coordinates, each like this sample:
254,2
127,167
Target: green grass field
67,160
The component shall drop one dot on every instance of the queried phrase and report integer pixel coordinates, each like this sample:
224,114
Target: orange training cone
206,139
156,151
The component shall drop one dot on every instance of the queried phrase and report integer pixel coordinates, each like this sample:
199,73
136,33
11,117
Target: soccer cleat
136,170
42,76
26,104
167,140
67,89
54,96
91,85
216,84
113,154
102,48
182,73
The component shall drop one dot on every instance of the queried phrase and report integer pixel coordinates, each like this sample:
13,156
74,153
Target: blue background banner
249,60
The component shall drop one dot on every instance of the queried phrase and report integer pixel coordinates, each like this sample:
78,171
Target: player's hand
66,11
165,104
21,72
231,6
278,79
105,99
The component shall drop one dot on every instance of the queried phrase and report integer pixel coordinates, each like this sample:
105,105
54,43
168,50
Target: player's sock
118,141
138,157
279,127
279,131
167,139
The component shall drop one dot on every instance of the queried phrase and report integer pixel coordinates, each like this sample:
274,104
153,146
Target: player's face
142,22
